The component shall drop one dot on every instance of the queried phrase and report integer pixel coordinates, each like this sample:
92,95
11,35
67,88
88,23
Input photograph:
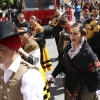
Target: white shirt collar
23,21
14,66
72,54
98,17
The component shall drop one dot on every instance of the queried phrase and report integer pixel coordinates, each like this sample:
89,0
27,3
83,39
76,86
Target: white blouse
71,53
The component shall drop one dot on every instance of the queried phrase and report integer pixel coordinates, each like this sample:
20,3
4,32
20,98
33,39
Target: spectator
22,21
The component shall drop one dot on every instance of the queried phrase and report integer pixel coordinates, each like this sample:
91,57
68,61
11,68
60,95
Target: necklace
71,55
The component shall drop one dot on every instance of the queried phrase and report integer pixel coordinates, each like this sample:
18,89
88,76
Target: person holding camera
64,35
31,49
31,53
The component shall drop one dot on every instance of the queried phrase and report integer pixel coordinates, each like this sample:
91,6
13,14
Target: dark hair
94,8
81,28
62,20
21,15
25,30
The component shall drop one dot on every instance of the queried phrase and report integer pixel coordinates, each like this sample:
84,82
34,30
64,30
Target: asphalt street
56,89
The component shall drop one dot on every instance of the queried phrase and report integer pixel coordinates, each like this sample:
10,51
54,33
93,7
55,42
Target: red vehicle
42,9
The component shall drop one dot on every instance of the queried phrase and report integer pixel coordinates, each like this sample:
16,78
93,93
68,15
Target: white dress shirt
97,18
32,81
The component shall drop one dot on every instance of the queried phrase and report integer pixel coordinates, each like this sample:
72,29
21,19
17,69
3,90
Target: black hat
24,30
7,30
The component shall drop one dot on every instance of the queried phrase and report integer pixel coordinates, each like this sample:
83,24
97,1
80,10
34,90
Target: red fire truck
42,9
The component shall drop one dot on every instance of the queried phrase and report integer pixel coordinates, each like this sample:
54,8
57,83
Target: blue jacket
77,8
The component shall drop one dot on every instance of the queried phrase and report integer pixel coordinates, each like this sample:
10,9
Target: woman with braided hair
38,36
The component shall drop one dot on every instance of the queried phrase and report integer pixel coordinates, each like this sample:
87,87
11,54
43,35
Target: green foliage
4,3
11,1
